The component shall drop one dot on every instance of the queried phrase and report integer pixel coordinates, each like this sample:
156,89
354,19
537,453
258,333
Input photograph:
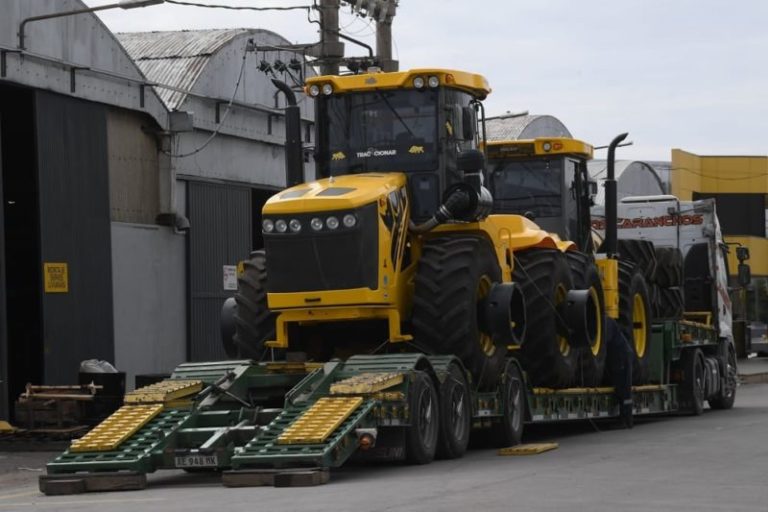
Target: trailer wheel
454,276
591,360
692,385
508,431
545,353
635,318
727,395
455,415
254,323
421,436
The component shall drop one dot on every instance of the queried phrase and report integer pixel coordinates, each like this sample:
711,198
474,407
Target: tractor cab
546,180
417,122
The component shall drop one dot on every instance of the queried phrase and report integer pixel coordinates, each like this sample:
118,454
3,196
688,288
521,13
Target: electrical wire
221,120
239,8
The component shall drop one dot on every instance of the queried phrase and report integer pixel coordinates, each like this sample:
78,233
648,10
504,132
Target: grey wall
3,339
148,276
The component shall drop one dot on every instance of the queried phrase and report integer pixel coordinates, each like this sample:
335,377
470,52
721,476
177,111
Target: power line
239,8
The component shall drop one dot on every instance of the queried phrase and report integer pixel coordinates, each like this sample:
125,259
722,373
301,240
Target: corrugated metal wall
220,234
75,229
3,339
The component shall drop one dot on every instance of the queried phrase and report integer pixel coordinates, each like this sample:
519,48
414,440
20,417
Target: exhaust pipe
294,150
611,200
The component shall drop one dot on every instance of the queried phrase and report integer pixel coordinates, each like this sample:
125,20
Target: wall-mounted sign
230,277
56,276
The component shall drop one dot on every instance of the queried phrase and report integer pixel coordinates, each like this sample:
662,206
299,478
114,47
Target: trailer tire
591,360
254,323
422,434
669,267
635,318
692,385
455,414
453,275
545,354
727,395
508,431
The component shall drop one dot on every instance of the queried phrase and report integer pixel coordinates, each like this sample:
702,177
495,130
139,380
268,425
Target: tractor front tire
635,318
254,323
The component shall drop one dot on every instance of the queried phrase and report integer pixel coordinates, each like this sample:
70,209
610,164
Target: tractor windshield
380,131
527,186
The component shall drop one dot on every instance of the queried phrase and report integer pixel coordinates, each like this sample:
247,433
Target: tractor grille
341,259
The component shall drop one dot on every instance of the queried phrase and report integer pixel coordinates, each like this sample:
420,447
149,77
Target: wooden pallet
299,477
76,483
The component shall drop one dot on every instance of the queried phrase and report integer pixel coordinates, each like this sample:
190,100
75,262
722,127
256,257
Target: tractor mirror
742,253
745,274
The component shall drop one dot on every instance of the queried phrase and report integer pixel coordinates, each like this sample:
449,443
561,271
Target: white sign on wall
230,277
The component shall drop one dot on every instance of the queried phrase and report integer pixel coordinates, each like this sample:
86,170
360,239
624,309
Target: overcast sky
687,74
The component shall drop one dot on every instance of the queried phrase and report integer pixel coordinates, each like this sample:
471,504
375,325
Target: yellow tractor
396,249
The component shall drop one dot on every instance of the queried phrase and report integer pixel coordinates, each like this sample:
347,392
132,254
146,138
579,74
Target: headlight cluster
419,82
316,224
315,89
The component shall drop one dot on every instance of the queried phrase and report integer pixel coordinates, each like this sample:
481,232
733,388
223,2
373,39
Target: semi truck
407,299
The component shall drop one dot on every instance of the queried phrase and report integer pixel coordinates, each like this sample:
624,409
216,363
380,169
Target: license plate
196,461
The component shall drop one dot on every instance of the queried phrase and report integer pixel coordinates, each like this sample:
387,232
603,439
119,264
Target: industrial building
134,168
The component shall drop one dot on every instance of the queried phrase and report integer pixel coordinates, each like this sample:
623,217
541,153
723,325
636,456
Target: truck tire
670,304
669,267
592,360
545,354
454,275
254,323
692,385
635,318
641,253
455,415
727,395
508,430
421,435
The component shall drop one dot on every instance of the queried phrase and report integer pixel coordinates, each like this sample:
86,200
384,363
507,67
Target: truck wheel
454,276
421,436
254,323
692,385
545,353
592,360
508,431
641,253
455,415
635,318
727,395
669,267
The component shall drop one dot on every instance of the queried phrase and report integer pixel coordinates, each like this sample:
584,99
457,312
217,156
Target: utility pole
384,40
331,49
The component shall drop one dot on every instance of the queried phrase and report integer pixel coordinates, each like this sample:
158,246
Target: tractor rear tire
635,318
670,304
669,267
591,360
508,431
545,354
421,435
455,414
642,254
254,323
453,275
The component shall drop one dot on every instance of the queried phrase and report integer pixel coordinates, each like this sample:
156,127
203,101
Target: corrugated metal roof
176,58
514,127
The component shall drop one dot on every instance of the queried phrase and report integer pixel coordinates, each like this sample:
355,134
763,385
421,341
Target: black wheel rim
731,374
457,411
698,381
426,418
514,404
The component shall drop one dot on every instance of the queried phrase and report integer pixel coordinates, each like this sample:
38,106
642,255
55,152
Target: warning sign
56,277
230,277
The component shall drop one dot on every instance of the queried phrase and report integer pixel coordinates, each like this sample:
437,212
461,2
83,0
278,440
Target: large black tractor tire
727,395
544,279
508,430
455,414
670,304
642,254
422,434
669,267
453,276
635,318
591,360
254,323
692,385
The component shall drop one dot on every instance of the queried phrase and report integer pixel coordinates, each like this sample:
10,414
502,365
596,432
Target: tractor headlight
316,224
281,226
327,89
295,225
314,90
418,82
332,222
349,220
267,226
433,81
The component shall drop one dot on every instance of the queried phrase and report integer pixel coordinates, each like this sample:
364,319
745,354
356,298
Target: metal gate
219,237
